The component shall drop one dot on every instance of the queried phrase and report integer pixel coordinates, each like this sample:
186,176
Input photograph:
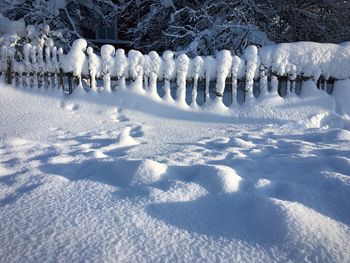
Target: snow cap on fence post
76,61
54,59
94,65
210,73
197,72
33,53
169,73
224,63
27,66
154,68
107,55
252,67
60,57
121,67
146,71
3,60
55,65
3,53
182,65
135,59
237,70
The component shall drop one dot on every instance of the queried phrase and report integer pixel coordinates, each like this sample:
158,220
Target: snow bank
219,188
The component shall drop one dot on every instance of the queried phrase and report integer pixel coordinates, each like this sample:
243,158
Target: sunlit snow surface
120,177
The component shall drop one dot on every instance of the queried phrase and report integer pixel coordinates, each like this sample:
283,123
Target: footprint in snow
68,105
118,117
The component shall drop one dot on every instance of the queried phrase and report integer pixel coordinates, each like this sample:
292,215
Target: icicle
197,72
182,70
169,68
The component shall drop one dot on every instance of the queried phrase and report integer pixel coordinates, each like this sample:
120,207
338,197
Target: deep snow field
123,177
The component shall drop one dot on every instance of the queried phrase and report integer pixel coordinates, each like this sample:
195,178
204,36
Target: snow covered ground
122,177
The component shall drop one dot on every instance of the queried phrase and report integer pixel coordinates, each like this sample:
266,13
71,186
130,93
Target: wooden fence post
61,80
330,85
70,82
9,76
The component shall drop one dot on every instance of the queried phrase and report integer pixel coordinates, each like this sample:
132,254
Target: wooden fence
19,73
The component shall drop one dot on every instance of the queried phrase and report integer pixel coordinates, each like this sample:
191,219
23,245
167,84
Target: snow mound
225,180
262,182
69,105
124,139
238,142
215,179
149,172
5,171
327,120
315,236
337,135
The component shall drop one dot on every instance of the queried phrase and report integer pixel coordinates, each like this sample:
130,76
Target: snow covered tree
192,26
74,18
315,20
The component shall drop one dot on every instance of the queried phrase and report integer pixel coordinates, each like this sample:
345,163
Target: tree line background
192,26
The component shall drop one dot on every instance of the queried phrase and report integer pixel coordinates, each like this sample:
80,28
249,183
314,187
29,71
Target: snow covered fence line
278,68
